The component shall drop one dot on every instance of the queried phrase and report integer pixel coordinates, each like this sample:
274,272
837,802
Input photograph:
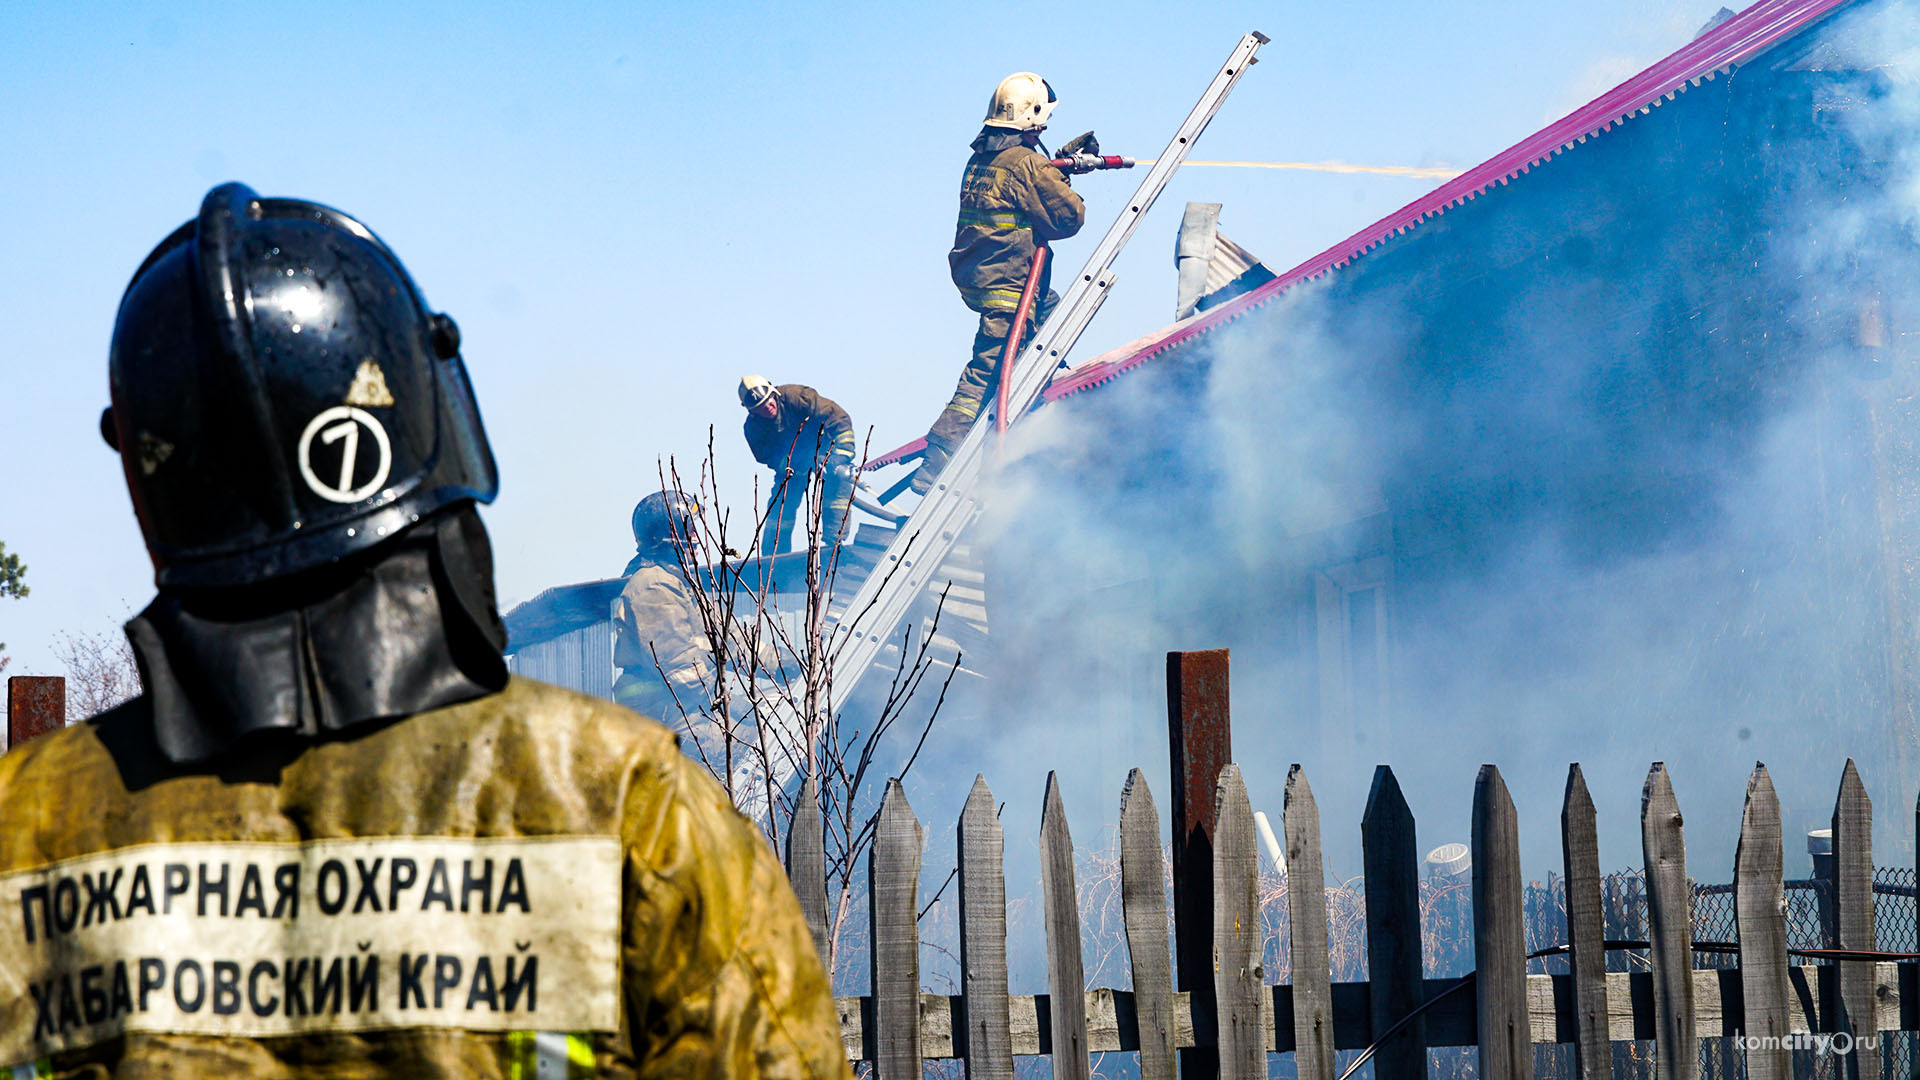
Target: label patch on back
265,939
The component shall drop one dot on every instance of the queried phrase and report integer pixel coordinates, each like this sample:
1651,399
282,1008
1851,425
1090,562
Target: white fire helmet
755,390
1022,102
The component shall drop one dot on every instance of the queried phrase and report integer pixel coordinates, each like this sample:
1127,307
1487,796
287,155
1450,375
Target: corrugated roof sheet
898,453
1714,53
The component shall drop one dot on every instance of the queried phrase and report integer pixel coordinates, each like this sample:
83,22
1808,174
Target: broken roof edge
1135,347
1736,41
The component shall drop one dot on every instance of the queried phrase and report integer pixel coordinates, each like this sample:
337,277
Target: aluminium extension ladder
925,540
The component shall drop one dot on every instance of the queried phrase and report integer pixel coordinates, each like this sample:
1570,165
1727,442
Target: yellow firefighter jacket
1012,200
657,628
532,883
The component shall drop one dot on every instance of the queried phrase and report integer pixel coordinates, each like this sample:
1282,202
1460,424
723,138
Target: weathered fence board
893,887
1307,933
1143,908
1499,933
1759,902
807,864
1853,879
1237,974
1586,929
1499,1007
1391,861
987,1042
1066,978
1669,928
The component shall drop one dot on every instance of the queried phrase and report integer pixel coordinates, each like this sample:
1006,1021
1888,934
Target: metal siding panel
579,660
599,668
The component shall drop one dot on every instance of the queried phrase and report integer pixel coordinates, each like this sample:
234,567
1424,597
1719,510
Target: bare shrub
101,671
765,723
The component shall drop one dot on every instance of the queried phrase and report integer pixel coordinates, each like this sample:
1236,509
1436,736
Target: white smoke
1672,556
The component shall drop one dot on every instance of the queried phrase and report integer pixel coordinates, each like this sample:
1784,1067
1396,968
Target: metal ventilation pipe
1450,864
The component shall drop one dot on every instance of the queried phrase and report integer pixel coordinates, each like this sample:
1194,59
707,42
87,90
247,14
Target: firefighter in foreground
795,431
334,837
1012,201
659,641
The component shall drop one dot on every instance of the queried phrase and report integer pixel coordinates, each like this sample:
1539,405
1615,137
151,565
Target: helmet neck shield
402,630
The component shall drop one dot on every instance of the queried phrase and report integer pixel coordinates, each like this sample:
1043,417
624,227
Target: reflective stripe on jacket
307,912
1012,200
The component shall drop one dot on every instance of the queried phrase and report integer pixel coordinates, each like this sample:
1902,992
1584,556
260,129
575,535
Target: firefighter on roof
1012,200
796,431
334,837
659,642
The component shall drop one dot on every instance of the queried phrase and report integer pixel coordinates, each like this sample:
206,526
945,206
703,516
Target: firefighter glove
1080,144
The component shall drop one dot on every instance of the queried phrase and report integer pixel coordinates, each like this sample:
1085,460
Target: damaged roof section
1719,49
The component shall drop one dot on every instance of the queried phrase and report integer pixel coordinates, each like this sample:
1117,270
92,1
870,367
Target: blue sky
627,207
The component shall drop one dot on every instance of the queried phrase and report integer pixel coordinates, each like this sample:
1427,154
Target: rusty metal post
1201,730
36,704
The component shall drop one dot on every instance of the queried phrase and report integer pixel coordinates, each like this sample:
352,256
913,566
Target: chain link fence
1810,922
1446,921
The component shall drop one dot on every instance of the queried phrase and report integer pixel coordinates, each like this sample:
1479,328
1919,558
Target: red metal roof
1734,42
1739,39
898,453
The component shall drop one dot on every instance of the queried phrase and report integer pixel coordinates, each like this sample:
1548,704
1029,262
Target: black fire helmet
282,396
663,517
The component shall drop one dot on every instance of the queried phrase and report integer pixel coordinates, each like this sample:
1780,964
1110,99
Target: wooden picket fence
1241,1018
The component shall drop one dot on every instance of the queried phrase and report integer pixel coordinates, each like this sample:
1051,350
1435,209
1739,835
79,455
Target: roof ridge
1739,39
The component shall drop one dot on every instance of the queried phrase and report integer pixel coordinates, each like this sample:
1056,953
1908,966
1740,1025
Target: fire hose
1004,376
863,497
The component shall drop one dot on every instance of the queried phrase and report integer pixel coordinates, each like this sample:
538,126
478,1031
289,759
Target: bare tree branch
765,722
100,669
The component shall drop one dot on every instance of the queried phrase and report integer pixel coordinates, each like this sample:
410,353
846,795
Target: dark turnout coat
1012,200
809,424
